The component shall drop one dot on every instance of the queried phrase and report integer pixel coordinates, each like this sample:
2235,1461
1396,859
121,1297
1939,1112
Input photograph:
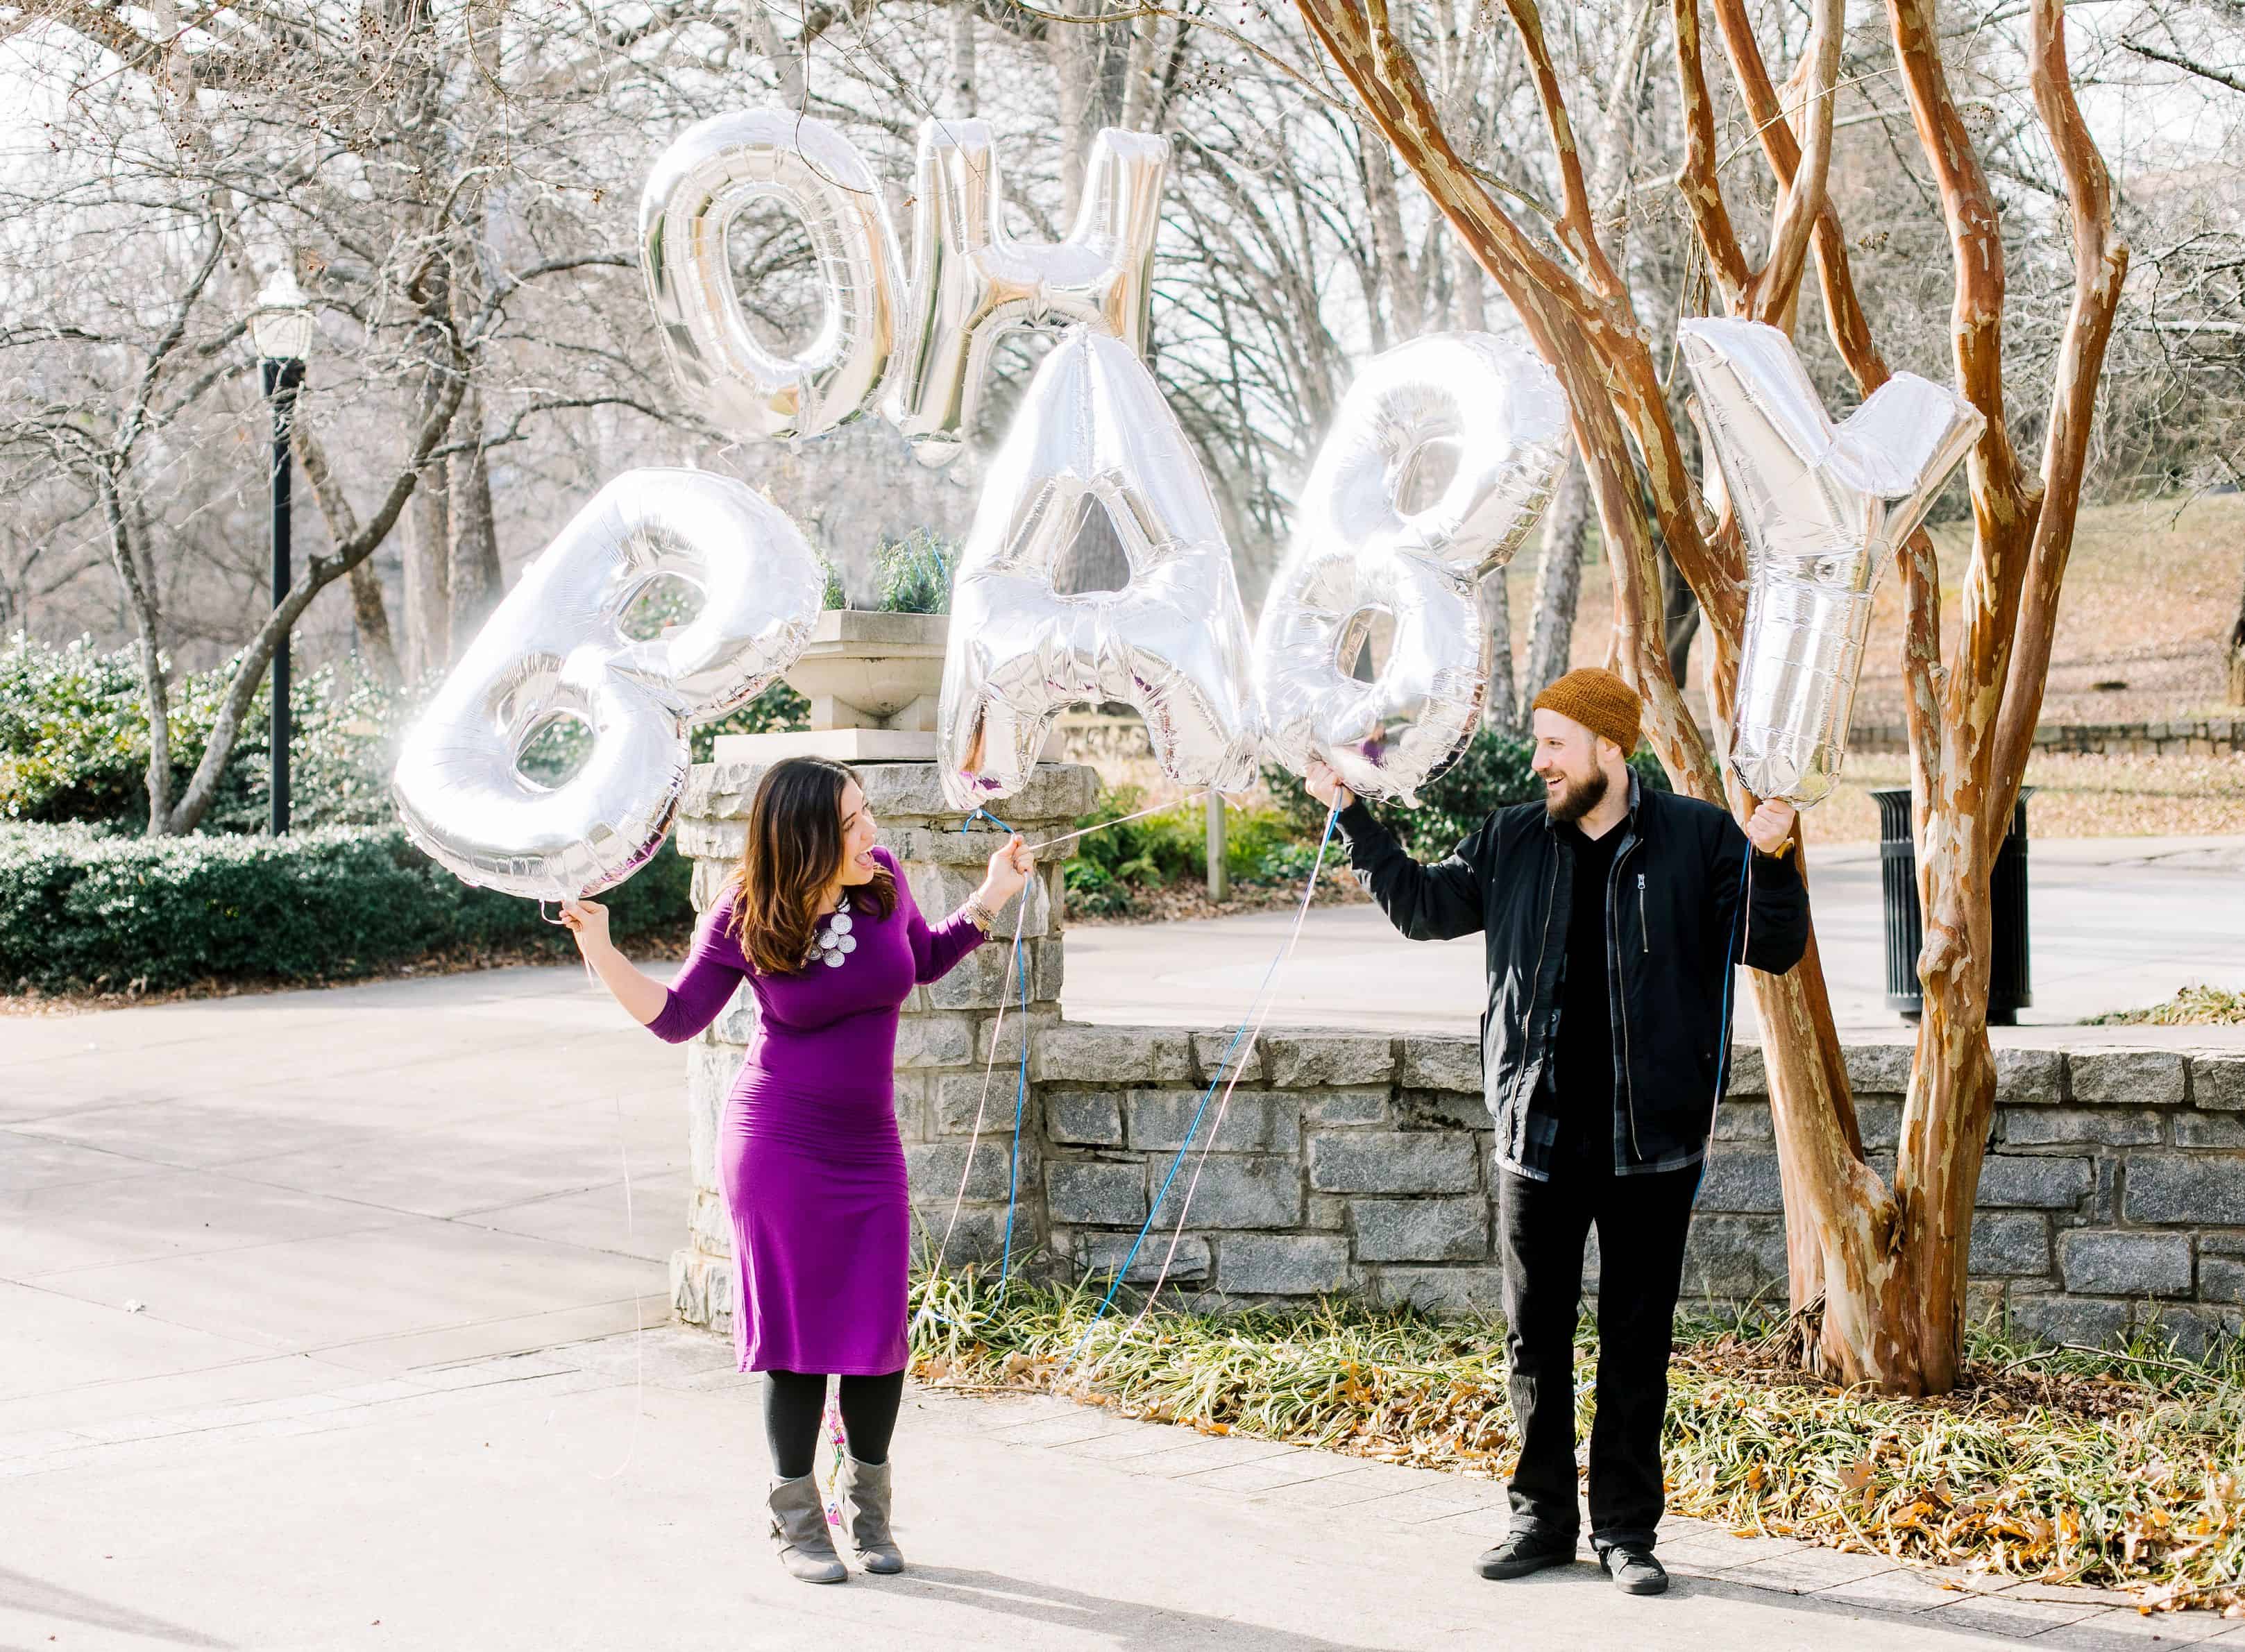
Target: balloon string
830,1419
1257,1009
1118,821
1020,1105
639,1323
1015,970
1085,832
1730,972
982,1102
1260,1012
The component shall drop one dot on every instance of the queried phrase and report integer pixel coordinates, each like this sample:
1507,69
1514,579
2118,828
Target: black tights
794,1401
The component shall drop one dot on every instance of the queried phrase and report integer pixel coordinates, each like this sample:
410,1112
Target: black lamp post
282,329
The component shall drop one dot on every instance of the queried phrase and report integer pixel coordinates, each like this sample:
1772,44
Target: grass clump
2125,1471
2192,1006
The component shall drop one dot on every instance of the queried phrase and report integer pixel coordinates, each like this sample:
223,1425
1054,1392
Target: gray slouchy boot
798,1531
864,1491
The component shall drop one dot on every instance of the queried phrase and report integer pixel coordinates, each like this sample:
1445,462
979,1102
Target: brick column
945,1034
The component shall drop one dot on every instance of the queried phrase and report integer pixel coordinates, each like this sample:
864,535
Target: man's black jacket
1672,906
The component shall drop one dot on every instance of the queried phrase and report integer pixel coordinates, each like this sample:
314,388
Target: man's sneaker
1634,1570
1521,1553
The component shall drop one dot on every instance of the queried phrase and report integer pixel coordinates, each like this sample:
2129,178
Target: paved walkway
602,1495
2116,924
320,1319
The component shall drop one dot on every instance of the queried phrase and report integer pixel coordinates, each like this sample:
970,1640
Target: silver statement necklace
833,941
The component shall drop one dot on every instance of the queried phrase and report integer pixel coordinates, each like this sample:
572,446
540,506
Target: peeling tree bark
2237,654
428,579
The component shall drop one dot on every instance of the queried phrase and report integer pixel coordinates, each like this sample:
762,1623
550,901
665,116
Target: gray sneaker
1523,1553
1633,1570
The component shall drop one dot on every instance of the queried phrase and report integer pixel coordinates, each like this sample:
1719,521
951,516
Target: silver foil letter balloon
1824,508
553,645
971,280
1094,432
1371,537
696,193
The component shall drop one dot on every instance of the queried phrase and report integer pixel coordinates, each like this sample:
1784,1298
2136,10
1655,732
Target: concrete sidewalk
320,1319
2116,924
604,1495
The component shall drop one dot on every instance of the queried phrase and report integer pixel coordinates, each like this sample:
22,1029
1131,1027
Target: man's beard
1580,798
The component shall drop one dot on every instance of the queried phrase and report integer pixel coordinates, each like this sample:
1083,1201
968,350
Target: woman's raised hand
588,921
1010,866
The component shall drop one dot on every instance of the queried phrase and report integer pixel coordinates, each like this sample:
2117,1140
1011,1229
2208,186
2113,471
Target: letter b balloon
555,648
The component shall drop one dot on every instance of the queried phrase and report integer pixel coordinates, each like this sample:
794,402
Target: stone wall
2195,737
1354,1161
2115,1188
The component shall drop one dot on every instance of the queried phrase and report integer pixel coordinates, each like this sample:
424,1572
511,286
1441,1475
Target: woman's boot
799,1531
864,1494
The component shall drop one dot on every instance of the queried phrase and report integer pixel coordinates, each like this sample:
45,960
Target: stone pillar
945,1036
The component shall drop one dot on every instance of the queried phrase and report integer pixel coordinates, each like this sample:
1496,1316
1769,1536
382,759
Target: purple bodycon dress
807,1148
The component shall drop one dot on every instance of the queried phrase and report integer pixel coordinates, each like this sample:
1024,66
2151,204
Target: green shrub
74,740
1113,859
1260,845
73,735
79,910
915,573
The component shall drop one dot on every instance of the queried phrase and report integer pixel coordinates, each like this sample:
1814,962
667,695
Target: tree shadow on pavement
35,1598
1129,1623
2082,1635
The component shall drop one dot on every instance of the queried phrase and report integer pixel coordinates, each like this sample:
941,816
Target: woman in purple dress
823,927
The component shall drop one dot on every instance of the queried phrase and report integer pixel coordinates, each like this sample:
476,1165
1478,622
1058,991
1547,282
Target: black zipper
1535,981
1643,921
1614,986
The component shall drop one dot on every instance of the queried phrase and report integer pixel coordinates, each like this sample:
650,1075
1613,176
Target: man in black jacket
1613,915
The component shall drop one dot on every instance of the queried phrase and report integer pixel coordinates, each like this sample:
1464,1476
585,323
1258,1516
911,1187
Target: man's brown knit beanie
1600,701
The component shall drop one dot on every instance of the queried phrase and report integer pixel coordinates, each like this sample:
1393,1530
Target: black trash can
2011,985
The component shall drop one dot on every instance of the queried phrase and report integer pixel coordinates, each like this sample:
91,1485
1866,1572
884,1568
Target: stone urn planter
872,680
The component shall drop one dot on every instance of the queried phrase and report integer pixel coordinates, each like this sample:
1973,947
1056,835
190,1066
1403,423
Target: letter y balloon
1824,507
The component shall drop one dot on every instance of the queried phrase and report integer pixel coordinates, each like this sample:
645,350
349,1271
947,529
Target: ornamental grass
2055,1466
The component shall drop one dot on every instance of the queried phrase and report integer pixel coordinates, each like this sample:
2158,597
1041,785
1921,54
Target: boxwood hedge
83,911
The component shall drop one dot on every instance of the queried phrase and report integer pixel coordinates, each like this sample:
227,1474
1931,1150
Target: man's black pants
1641,1222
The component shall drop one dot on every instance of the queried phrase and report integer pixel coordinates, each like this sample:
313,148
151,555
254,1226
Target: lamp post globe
281,327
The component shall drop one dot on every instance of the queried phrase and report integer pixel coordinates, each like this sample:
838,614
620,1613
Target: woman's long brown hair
792,858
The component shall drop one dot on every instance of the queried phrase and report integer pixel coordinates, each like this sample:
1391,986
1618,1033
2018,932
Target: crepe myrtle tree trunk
2237,654
1876,1268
